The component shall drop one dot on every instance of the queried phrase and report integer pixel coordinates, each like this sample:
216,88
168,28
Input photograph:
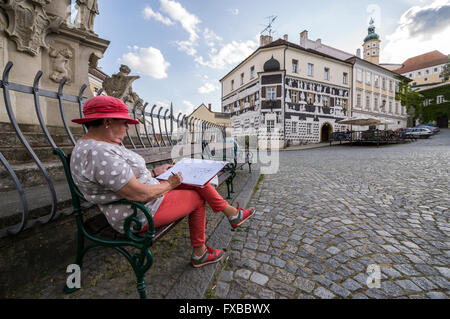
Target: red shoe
241,217
209,257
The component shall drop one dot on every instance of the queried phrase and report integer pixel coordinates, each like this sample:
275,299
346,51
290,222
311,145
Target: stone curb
305,147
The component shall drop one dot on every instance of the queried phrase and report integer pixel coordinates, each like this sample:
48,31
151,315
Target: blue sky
181,48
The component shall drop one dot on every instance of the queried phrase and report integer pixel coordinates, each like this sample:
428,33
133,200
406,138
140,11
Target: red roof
423,61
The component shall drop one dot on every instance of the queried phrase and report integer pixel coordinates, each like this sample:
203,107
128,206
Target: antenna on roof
268,28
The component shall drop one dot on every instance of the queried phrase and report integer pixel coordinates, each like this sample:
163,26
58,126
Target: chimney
358,53
264,40
209,107
318,43
285,37
304,38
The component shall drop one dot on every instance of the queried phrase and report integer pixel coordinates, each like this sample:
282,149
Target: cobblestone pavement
330,213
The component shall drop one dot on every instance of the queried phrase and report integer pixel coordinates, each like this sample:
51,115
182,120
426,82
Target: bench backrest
77,196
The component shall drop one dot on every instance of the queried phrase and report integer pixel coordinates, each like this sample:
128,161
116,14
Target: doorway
325,132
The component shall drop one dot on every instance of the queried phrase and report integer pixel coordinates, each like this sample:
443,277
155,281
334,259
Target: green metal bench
97,230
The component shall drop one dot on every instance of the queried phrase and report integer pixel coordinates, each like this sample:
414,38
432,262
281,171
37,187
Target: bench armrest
133,222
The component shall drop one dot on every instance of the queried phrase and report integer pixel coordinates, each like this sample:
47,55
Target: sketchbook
195,171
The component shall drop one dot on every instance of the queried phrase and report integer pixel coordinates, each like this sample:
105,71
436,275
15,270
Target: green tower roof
371,32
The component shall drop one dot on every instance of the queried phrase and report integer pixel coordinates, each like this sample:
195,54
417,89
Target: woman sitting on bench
105,171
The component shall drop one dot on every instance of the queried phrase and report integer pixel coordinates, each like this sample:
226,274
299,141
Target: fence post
159,124
61,109
153,126
145,124
136,126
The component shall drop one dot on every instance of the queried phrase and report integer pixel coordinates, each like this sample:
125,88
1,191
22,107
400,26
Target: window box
310,108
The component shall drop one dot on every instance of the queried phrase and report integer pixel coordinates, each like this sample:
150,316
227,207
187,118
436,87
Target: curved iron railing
160,136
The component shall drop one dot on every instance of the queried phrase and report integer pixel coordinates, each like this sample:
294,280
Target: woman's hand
175,180
161,169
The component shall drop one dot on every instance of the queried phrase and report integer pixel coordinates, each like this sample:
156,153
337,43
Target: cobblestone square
331,212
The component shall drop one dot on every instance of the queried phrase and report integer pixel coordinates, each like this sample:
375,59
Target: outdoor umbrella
385,123
362,121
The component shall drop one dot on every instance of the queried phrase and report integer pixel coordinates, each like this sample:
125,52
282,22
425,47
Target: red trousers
190,200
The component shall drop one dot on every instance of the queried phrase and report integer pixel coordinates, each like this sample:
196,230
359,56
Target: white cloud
187,47
177,12
420,30
219,56
235,11
188,21
211,37
207,88
149,14
229,54
147,61
189,107
163,103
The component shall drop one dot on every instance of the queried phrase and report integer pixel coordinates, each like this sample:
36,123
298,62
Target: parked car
419,132
433,128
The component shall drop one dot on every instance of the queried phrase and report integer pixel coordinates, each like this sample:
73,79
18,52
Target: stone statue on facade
60,65
119,85
87,10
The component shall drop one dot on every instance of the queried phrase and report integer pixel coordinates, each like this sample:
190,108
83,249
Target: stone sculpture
61,67
28,24
87,10
119,85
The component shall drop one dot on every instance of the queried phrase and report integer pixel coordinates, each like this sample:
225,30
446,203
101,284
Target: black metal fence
161,129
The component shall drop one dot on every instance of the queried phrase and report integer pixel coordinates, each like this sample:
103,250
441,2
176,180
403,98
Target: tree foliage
433,111
446,72
411,100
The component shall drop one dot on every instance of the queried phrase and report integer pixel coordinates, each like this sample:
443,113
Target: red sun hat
102,107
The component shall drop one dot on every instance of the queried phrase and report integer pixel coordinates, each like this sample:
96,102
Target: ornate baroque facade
38,35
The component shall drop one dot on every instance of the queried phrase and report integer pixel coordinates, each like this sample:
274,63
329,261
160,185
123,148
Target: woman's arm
139,192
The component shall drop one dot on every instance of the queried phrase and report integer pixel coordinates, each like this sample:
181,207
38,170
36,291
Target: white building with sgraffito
286,94
289,94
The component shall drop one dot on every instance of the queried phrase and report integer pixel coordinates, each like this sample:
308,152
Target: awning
385,123
362,121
